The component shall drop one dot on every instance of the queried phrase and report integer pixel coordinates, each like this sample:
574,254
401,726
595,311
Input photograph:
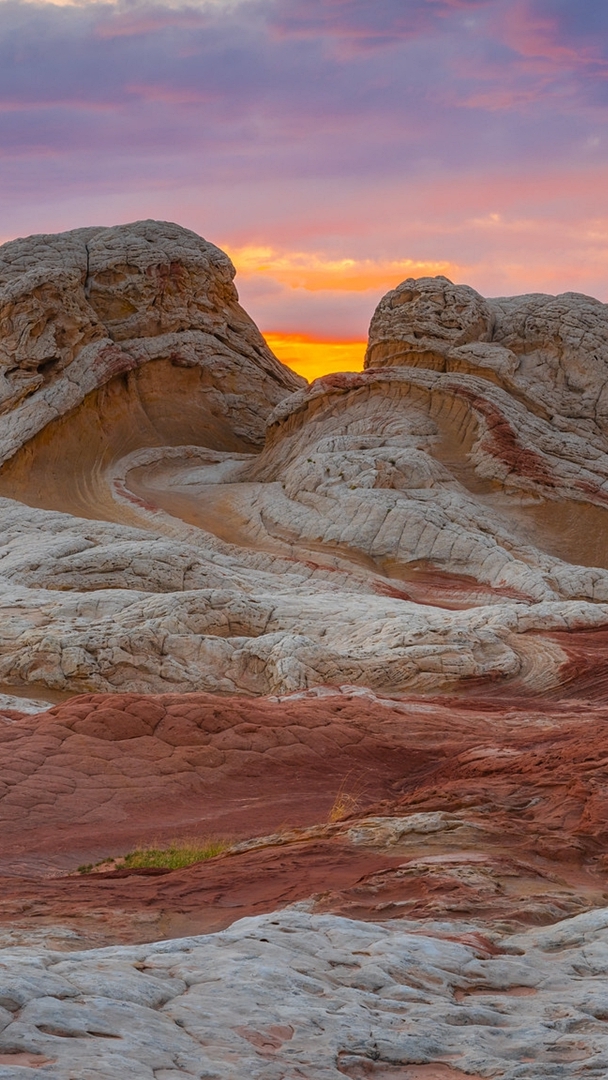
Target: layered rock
403,528
138,328
254,577
552,351
491,811
456,827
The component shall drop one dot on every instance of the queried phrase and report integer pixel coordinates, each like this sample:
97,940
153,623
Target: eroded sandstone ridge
431,520
356,629
80,309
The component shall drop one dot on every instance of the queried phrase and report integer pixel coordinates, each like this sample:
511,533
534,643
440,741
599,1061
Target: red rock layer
100,773
521,789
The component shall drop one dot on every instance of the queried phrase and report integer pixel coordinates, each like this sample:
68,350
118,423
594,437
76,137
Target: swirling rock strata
549,351
150,304
181,515
431,520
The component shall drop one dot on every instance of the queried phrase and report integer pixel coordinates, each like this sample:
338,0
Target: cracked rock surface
406,528
355,629
487,810
298,995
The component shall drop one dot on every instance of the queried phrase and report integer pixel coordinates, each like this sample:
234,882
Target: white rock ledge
290,994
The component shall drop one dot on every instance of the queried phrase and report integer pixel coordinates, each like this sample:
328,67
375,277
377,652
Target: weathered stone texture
182,517
318,997
402,528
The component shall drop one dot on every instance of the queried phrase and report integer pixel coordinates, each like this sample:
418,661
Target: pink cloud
167,95
536,35
140,23
354,138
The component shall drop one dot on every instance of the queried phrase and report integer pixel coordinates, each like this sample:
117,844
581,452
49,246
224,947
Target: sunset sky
332,147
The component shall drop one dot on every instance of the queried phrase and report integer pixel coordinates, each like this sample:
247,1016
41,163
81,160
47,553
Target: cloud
563,43
572,30
335,146
316,272
361,26
129,6
260,81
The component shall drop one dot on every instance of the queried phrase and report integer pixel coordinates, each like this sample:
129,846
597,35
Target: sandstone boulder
549,351
79,309
423,318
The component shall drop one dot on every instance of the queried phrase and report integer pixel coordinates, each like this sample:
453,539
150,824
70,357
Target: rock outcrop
138,330
405,528
550,351
317,997
491,811
248,579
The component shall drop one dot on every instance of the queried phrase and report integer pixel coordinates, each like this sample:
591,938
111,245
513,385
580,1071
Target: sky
331,147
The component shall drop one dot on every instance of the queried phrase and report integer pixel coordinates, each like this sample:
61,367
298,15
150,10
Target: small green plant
178,854
174,856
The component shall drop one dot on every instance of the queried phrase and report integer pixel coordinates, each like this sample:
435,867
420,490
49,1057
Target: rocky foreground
356,630
294,995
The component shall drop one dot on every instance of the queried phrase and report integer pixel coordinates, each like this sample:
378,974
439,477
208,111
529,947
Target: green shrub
176,855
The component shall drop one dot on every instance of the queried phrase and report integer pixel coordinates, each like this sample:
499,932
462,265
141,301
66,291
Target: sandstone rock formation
408,527
116,339
488,811
488,820
356,628
332,998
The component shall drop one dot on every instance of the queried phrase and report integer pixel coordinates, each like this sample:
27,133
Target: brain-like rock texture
181,513
357,629
426,315
550,350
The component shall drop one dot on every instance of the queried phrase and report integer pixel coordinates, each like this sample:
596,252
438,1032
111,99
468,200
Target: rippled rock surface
358,629
429,521
318,997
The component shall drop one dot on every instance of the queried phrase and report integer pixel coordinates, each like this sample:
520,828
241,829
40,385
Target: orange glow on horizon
312,358
316,272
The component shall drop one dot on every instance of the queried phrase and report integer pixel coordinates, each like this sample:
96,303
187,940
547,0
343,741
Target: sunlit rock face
151,304
550,352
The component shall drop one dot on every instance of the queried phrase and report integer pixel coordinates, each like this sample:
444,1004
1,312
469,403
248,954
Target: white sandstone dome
425,315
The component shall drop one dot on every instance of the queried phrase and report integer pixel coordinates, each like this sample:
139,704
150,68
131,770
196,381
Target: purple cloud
360,26
397,127
263,80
